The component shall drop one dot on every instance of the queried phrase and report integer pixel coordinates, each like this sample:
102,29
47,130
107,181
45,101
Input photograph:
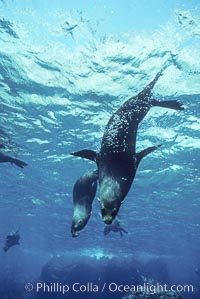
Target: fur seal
5,158
84,192
117,160
11,240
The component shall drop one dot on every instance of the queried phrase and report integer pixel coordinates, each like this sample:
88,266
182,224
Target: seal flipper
86,154
150,86
19,163
123,230
173,104
145,152
4,158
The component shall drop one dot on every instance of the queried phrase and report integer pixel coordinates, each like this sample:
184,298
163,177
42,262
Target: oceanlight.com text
112,287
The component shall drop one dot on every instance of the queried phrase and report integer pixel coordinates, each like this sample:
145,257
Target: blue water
64,69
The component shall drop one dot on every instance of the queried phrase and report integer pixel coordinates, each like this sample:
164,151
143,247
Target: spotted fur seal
117,159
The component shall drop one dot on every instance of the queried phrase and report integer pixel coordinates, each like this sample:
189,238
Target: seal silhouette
117,159
5,158
11,240
84,192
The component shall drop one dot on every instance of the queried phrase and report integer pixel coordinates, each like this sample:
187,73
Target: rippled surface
61,77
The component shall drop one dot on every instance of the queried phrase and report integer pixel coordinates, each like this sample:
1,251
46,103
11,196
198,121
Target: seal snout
107,220
75,234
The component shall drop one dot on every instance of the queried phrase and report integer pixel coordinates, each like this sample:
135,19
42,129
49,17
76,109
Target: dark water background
64,69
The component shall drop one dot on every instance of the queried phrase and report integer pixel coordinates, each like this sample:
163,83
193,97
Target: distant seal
114,227
5,158
117,160
84,192
11,240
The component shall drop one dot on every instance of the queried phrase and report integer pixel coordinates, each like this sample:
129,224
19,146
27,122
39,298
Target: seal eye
114,212
103,212
80,221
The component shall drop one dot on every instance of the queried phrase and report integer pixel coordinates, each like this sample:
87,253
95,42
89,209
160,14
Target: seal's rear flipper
150,86
147,90
145,152
174,104
86,154
19,163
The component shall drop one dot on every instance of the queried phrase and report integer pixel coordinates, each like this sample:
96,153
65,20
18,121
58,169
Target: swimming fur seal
117,160
4,158
11,240
84,192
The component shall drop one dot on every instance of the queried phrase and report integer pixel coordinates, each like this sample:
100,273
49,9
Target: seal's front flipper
86,154
19,163
145,152
124,231
173,104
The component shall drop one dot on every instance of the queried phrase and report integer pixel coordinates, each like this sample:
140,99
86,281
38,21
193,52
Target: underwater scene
99,149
